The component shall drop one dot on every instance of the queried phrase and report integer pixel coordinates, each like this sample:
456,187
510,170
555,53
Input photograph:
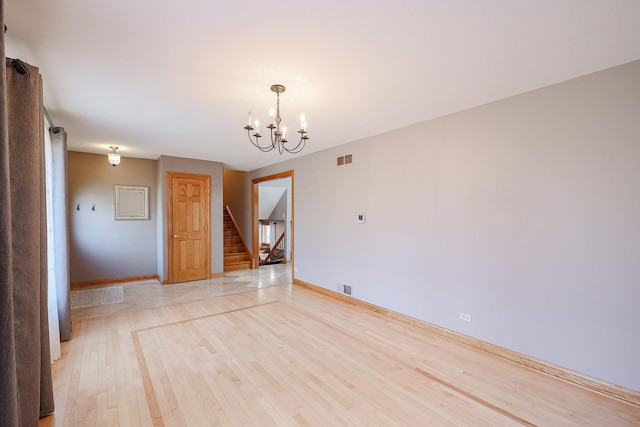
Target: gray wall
279,212
524,213
200,167
100,246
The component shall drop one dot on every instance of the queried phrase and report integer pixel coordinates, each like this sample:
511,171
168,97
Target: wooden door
188,227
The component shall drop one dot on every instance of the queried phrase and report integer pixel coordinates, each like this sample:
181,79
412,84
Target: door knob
176,236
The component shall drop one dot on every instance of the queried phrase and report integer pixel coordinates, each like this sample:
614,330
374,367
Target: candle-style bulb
257,125
284,132
249,122
272,112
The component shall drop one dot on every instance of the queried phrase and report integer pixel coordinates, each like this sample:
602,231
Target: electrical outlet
466,317
295,269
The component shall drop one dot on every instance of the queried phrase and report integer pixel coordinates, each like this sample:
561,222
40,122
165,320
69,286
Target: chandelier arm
298,148
256,143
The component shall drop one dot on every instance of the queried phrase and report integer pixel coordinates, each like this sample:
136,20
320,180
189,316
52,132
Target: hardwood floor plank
287,356
466,365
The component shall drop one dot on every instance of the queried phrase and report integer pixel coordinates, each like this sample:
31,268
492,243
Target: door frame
169,196
255,220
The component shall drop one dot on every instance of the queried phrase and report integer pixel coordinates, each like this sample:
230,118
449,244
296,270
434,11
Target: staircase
236,253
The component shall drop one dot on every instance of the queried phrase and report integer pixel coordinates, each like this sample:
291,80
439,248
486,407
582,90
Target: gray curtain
61,228
25,371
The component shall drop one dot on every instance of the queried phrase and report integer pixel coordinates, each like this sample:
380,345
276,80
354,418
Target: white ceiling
178,77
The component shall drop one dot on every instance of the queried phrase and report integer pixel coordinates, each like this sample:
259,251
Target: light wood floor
285,355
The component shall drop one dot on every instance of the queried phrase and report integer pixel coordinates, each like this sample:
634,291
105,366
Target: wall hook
78,207
93,207
19,66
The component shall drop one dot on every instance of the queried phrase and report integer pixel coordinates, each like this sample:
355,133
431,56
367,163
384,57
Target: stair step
234,248
235,254
230,258
238,266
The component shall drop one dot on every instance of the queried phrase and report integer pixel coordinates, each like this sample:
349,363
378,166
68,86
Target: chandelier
278,133
114,158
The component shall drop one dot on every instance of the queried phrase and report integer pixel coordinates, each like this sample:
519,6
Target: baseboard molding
623,394
106,282
211,276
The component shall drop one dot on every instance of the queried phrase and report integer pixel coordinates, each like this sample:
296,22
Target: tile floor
151,293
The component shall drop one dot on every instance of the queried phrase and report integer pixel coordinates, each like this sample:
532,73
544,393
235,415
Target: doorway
256,217
188,223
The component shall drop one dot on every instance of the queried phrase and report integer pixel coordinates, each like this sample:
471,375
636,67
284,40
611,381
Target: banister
273,249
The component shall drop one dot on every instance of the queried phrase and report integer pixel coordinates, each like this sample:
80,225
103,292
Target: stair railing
279,246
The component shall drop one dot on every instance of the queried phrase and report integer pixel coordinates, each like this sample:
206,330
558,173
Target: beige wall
235,194
523,213
100,246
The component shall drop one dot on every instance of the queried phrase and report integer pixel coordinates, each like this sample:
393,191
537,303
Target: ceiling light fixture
279,135
114,158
